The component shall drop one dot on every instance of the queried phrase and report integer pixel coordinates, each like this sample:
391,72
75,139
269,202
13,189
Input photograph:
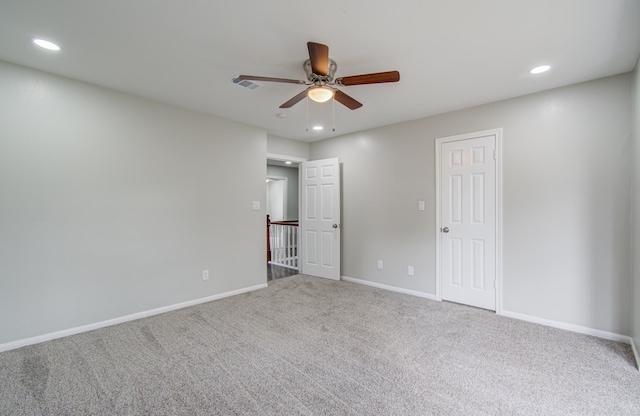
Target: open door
320,218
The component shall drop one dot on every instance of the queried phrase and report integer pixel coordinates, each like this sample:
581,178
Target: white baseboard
636,354
387,287
547,322
85,328
569,327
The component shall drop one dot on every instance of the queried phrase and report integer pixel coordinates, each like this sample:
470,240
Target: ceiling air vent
245,83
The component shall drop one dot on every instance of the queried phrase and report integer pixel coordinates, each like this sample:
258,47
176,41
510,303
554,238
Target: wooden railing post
268,240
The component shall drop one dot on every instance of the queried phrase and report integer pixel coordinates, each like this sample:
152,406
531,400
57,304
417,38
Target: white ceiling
451,54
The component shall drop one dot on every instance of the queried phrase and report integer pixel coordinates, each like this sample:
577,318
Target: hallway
278,272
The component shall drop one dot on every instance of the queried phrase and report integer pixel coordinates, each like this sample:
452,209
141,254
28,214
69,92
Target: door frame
284,158
298,160
497,132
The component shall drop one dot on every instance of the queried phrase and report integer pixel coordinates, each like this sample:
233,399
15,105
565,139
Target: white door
320,218
468,221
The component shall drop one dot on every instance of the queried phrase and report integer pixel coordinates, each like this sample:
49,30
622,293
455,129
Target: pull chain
307,100
333,102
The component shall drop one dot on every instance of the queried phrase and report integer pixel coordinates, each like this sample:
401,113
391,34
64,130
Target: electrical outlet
205,275
379,264
410,270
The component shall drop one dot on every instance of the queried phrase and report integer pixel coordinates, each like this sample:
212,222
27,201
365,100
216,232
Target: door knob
335,225
445,230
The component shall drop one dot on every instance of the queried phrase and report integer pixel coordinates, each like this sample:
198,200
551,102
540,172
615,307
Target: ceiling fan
322,86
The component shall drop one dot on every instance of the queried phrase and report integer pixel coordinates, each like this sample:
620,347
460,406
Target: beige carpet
317,347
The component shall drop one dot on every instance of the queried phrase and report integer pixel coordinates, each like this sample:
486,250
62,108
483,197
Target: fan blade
377,78
319,56
295,100
269,79
346,100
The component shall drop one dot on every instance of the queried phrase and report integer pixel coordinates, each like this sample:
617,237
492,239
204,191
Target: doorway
316,240
469,219
282,216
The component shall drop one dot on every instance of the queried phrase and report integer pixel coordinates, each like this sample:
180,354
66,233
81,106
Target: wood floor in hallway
277,272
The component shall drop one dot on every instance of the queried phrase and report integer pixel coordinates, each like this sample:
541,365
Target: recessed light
281,115
45,44
288,162
318,127
540,69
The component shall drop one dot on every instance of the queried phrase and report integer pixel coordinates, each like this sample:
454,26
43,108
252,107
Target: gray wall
292,188
286,147
111,204
567,180
636,208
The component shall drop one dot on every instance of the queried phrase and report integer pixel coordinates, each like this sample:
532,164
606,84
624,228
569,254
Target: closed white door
468,221
320,218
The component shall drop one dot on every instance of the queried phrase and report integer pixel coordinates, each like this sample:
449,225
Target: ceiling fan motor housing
314,77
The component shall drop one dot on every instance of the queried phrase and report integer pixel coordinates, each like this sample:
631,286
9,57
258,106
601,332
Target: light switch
256,206
420,205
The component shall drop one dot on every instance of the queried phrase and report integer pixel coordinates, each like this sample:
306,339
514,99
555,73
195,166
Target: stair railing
282,243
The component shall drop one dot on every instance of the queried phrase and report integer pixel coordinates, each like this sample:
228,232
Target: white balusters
284,245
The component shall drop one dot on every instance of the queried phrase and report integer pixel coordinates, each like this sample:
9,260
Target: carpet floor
309,346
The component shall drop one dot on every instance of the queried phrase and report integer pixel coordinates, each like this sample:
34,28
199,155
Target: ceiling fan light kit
322,85
320,94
